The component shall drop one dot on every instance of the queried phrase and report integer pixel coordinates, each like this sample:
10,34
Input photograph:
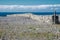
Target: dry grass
1,32
31,34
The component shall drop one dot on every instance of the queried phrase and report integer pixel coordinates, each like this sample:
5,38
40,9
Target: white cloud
27,7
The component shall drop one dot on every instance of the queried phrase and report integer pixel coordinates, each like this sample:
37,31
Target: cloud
28,7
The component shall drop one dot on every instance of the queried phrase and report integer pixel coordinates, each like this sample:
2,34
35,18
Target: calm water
36,13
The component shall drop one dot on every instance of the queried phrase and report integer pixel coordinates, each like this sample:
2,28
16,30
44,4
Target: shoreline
28,26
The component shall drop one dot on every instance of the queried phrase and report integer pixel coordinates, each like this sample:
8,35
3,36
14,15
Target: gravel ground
32,27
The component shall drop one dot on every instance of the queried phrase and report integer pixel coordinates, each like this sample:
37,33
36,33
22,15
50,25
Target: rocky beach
29,27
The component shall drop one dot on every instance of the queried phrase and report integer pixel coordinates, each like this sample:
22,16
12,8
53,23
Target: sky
28,2
29,5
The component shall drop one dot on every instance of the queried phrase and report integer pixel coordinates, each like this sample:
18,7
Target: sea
35,13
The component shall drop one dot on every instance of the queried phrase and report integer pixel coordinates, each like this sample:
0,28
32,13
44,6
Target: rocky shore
28,27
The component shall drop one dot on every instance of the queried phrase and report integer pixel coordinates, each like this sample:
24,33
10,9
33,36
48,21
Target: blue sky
28,2
29,5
